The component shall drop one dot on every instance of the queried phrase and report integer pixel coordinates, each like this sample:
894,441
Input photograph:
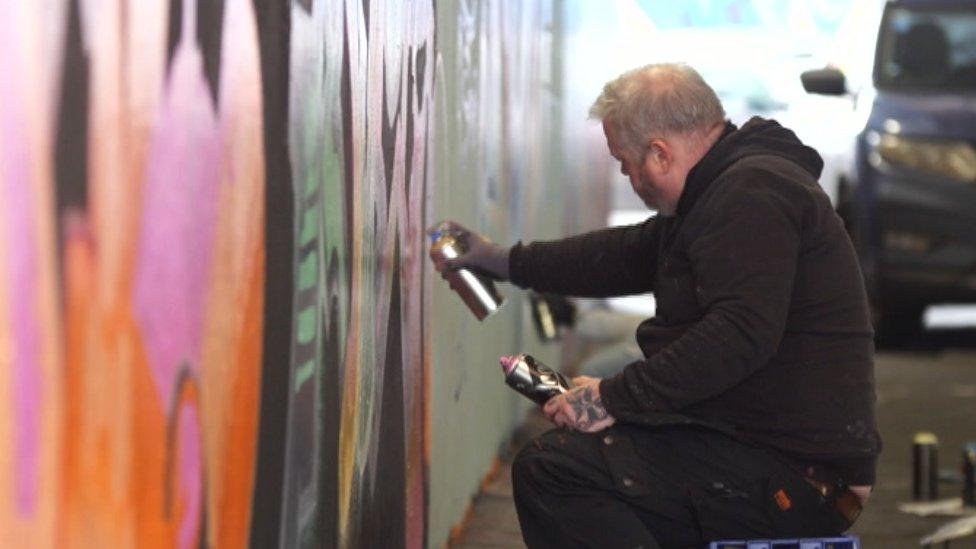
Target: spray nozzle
508,363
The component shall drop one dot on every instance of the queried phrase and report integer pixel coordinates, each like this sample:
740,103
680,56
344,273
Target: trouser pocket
797,509
724,511
783,505
623,463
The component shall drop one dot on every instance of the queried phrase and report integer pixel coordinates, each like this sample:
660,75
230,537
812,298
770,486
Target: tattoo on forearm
587,405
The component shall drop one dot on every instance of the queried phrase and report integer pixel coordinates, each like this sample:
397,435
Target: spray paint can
533,378
969,474
478,292
925,467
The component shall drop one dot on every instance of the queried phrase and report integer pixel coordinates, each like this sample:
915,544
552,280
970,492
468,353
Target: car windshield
927,50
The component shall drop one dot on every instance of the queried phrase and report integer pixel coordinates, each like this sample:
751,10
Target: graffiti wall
360,107
133,272
218,326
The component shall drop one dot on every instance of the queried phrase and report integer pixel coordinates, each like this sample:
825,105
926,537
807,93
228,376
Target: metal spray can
478,292
925,467
969,474
533,378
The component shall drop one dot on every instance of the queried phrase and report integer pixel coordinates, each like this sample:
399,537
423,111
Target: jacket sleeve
608,262
743,261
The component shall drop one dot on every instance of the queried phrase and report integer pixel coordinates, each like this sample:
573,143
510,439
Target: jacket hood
758,136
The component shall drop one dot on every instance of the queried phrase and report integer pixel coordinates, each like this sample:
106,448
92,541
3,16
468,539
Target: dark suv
909,199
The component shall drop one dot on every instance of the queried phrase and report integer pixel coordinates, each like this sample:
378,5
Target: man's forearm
609,262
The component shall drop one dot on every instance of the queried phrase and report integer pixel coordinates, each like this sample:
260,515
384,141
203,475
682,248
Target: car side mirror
826,81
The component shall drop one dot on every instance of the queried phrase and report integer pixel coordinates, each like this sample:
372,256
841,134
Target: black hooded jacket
762,323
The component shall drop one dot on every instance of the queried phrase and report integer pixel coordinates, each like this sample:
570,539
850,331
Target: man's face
645,179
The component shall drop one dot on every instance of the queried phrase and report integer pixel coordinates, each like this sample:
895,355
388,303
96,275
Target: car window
928,50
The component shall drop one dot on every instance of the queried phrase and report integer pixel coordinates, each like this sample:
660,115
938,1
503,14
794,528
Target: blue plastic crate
850,542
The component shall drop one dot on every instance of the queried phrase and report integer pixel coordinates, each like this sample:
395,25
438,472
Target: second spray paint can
533,378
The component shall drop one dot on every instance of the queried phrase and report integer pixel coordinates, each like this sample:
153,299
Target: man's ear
660,154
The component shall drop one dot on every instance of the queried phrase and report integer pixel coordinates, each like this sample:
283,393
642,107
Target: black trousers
630,486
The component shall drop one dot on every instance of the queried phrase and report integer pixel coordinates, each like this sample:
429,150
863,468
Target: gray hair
658,100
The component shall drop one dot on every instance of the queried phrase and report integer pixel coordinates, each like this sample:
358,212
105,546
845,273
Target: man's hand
580,408
482,256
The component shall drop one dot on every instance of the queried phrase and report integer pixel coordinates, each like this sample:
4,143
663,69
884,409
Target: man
752,415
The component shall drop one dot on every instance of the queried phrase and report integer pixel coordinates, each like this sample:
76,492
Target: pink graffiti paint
191,467
179,219
17,189
175,247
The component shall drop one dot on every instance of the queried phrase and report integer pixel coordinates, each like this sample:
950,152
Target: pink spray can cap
508,363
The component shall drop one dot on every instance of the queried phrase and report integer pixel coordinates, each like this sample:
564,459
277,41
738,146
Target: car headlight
953,159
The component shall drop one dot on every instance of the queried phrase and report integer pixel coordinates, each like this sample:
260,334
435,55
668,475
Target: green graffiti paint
308,271
303,374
